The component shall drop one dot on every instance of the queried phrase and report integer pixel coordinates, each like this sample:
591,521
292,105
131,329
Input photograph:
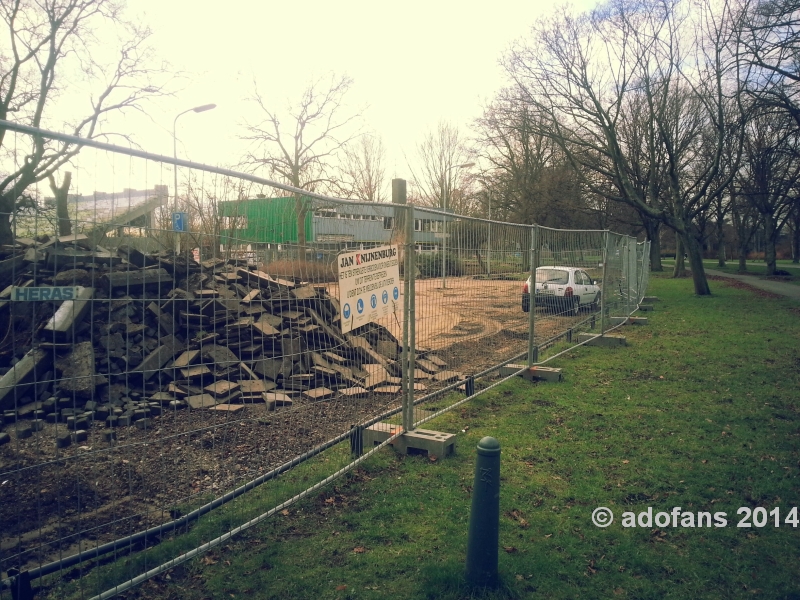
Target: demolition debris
120,336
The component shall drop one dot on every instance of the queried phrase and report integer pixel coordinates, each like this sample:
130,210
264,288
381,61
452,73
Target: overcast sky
413,64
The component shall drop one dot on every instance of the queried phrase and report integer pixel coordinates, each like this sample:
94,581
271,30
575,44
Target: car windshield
552,276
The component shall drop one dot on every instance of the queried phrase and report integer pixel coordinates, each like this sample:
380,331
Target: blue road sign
346,311
180,222
360,306
385,296
373,301
395,293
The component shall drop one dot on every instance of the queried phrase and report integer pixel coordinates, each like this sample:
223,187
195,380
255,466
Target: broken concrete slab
448,376
321,393
219,389
78,371
200,401
14,384
71,312
153,362
227,408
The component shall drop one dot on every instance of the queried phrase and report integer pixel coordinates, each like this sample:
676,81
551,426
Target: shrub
430,265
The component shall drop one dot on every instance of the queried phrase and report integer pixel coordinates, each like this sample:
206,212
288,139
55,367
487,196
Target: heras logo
358,259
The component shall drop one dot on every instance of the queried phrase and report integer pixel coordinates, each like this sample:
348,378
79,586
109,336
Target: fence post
603,296
534,251
628,276
409,325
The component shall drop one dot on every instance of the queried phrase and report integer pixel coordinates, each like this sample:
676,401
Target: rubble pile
150,332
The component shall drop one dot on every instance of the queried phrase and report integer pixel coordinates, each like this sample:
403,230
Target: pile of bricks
146,333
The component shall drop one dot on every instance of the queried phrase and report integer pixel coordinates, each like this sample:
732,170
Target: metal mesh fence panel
468,311
168,353
569,286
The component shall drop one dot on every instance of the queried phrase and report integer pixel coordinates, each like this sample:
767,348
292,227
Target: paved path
776,287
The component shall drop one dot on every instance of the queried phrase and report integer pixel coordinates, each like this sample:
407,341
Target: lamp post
197,109
445,173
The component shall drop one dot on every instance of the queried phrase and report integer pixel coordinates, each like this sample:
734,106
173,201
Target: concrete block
532,373
542,373
145,424
80,436
650,299
645,307
24,431
63,440
412,442
629,320
4,438
607,340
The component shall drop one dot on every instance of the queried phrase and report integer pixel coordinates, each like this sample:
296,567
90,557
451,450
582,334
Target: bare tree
302,149
47,45
581,72
215,203
363,174
745,223
770,173
768,38
438,181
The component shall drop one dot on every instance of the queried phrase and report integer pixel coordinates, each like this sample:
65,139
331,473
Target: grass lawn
700,411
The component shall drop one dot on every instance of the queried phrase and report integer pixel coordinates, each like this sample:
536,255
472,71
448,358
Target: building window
388,222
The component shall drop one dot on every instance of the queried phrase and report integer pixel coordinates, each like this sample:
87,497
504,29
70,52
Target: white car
564,289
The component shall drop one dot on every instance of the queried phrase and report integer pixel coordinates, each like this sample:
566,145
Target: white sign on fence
369,285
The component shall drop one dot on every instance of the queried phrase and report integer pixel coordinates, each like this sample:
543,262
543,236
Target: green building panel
263,221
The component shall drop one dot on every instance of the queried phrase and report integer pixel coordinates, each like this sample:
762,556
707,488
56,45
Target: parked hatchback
563,289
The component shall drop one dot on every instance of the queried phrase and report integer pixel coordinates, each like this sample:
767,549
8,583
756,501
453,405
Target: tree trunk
653,229
695,253
796,235
6,212
680,267
720,243
62,205
769,243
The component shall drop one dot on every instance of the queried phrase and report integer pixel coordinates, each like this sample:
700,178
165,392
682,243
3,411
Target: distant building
262,222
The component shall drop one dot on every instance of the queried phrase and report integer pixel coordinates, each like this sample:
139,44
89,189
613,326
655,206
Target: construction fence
180,362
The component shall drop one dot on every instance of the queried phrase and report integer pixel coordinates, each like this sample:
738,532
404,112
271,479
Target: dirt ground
55,501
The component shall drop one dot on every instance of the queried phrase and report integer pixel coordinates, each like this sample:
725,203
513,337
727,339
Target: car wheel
576,306
596,302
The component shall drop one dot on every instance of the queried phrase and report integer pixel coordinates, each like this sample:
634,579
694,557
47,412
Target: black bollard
484,519
469,386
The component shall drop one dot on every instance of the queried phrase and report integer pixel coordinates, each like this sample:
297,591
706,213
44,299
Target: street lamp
445,173
197,109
